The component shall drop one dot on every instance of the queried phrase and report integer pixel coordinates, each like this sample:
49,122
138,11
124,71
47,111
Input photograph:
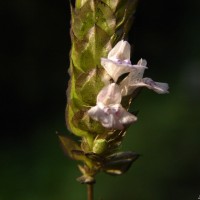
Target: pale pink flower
108,110
118,61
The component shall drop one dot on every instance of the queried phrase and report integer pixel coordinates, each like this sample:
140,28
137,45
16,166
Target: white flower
118,61
135,80
109,95
109,111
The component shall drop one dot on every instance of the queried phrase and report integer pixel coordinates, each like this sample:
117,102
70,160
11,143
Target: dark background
34,49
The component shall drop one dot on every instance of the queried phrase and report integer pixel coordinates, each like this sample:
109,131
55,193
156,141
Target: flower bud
100,146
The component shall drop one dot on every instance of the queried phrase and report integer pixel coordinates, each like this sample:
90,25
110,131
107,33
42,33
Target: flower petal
115,69
160,88
142,62
120,51
138,74
118,61
116,117
110,94
95,113
112,116
127,118
130,83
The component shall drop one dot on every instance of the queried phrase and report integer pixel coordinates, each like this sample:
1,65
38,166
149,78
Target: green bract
95,27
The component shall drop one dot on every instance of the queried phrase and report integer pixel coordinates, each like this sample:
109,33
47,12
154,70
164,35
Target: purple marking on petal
150,82
119,61
127,62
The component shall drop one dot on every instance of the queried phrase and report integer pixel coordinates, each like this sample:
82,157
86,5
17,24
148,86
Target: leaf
72,149
68,145
119,163
95,157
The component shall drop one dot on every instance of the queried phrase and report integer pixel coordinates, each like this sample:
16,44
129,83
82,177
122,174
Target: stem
90,141
90,191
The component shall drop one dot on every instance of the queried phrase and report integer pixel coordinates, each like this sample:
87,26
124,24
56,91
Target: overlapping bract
95,27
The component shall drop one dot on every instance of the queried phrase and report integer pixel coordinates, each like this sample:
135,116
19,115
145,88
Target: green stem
90,191
90,141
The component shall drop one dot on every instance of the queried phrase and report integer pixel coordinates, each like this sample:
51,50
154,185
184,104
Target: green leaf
72,149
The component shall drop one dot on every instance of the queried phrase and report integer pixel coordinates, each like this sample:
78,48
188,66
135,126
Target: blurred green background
34,49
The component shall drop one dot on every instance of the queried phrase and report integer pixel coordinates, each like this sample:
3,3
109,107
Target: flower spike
101,87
